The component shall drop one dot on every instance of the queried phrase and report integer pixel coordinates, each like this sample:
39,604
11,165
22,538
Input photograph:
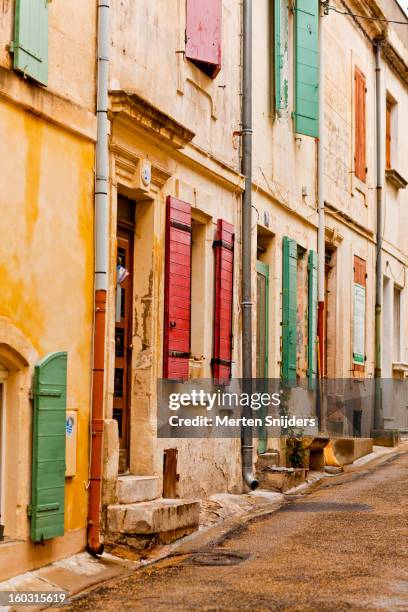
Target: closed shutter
359,319
307,67
360,125
177,294
388,136
224,270
312,317
48,464
289,307
203,35
30,44
281,63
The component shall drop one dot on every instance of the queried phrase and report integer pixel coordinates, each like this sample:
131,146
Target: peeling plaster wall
148,43
46,258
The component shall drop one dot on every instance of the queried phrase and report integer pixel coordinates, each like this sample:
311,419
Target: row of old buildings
84,337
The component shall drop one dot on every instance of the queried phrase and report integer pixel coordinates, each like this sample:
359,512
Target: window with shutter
224,271
388,136
203,35
289,309
360,125
177,294
312,317
359,311
48,463
30,45
307,67
281,63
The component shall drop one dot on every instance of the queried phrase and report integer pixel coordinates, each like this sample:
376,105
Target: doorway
123,336
3,379
262,343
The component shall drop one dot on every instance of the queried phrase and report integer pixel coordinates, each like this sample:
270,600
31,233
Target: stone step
133,489
154,517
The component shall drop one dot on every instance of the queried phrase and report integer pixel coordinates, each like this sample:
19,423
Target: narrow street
343,547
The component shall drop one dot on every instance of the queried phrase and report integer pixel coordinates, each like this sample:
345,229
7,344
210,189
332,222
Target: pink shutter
203,35
177,294
224,270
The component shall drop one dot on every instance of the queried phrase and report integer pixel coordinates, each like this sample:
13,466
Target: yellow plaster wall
46,259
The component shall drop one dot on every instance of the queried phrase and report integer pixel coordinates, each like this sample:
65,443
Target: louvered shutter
388,136
224,271
312,317
281,59
203,34
177,294
48,459
30,44
289,308
360,125
307,67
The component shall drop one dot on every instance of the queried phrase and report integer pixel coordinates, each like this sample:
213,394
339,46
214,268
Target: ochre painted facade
46,267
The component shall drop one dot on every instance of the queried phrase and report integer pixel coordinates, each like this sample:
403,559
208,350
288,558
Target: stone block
158,516
132,489
343,451
386,437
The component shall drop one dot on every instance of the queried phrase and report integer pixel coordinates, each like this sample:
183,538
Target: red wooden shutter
177,293
224,269
203,35
360,125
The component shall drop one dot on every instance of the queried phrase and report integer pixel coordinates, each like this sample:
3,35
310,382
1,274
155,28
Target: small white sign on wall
359,324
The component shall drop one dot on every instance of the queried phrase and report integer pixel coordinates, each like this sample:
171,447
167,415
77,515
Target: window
388,136
360,125
391,131
30,45
307,67
397,325
359,312
224,290
299,320
203,35
199,296
177,291
281,52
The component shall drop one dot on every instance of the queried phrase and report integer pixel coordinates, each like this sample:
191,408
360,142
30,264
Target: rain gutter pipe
95,543
378,422
247,434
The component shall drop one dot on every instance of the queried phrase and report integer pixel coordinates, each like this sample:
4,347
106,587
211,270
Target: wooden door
123,343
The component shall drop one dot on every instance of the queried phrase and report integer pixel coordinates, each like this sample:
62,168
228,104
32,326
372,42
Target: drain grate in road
216,558
326,507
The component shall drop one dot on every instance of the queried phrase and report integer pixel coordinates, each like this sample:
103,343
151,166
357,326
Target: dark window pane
122,304
117,415
118,389
121,259
119,342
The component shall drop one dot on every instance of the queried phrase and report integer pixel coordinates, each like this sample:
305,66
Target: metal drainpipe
246,435
378,422
95,544
321,252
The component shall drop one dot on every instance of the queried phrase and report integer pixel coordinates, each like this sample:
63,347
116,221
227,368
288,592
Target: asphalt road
343,547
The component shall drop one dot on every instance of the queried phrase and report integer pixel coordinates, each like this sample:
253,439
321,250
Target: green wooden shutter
312,318
30,44
307,67
289,307
281,59
48,468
